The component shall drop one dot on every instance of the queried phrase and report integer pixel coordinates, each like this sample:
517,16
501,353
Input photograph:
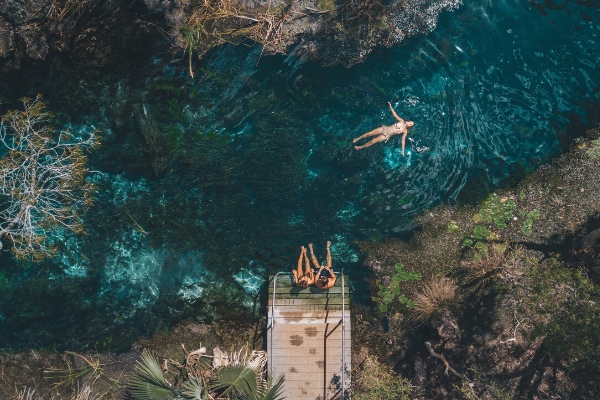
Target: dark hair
303,283
323,278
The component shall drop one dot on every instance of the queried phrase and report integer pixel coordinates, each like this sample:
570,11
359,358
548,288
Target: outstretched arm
394,113
318,276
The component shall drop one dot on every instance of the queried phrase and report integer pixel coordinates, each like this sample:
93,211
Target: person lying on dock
325,278
384,133
303,275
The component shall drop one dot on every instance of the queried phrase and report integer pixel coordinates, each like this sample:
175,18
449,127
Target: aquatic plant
453,227
527,226
43,180
390,292
496,210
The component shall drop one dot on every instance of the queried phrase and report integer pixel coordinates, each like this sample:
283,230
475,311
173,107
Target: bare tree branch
42,180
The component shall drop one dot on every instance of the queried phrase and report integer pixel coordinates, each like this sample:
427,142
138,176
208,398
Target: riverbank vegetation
508,303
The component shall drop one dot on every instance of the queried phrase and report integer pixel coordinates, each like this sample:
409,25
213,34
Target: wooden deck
306,339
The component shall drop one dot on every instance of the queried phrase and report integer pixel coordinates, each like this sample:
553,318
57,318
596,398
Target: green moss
327,5
452,227
594,151
373,380
566,306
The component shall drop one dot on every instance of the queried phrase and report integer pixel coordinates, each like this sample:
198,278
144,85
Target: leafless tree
43,184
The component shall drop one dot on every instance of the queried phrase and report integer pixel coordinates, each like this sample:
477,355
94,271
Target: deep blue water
264,164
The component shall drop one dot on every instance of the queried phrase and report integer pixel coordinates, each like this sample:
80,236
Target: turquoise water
264,164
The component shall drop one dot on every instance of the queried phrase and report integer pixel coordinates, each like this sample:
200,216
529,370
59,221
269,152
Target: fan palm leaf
273,389
194,389
241,381
148,381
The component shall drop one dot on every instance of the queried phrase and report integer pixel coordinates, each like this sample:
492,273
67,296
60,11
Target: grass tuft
437,294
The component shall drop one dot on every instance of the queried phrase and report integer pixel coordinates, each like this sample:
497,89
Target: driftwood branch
446,364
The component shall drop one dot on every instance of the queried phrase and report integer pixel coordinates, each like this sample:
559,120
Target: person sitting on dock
322,281
303,276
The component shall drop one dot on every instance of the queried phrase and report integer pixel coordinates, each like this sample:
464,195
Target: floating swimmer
384,133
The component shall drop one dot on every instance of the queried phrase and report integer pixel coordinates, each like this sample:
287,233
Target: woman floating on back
384,133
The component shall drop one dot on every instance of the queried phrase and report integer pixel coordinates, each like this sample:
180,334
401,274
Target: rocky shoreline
98,33
501,334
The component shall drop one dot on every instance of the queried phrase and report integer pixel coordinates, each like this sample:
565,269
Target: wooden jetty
308,338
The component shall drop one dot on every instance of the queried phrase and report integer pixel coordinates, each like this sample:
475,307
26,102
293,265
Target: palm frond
242,381
148,381
273,389
194,389
257,361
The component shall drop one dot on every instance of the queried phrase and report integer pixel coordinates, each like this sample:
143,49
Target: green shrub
495,211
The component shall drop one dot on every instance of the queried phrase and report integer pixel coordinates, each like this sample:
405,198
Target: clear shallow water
495,91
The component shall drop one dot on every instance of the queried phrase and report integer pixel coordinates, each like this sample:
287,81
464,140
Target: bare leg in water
380,137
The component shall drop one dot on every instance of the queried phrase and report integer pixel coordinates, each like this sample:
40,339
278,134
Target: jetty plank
308,338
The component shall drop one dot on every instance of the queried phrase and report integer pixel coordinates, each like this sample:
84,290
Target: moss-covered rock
520,263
